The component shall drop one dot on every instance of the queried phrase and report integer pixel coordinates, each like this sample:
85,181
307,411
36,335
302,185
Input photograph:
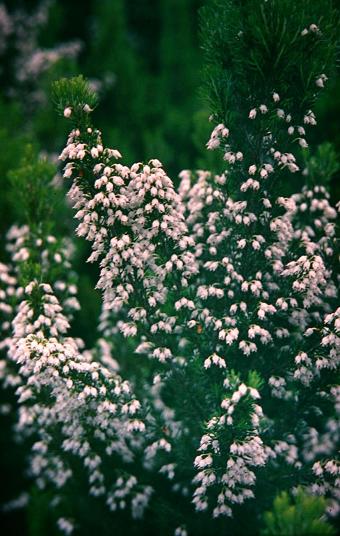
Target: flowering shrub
220,301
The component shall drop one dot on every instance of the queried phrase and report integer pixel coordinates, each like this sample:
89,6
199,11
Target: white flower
180,531
242,389
65,525
303,143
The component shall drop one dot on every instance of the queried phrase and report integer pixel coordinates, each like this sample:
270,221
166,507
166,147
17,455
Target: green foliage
12,138
254,380
74,93
254,48
322,165
33,196
301,515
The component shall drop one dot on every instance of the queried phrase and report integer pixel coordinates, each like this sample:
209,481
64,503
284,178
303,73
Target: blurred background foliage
144,59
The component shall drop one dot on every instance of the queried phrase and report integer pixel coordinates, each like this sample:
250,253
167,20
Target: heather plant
212,387
304,515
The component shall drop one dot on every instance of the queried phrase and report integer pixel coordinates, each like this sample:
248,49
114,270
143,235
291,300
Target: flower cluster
69,403
233,481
